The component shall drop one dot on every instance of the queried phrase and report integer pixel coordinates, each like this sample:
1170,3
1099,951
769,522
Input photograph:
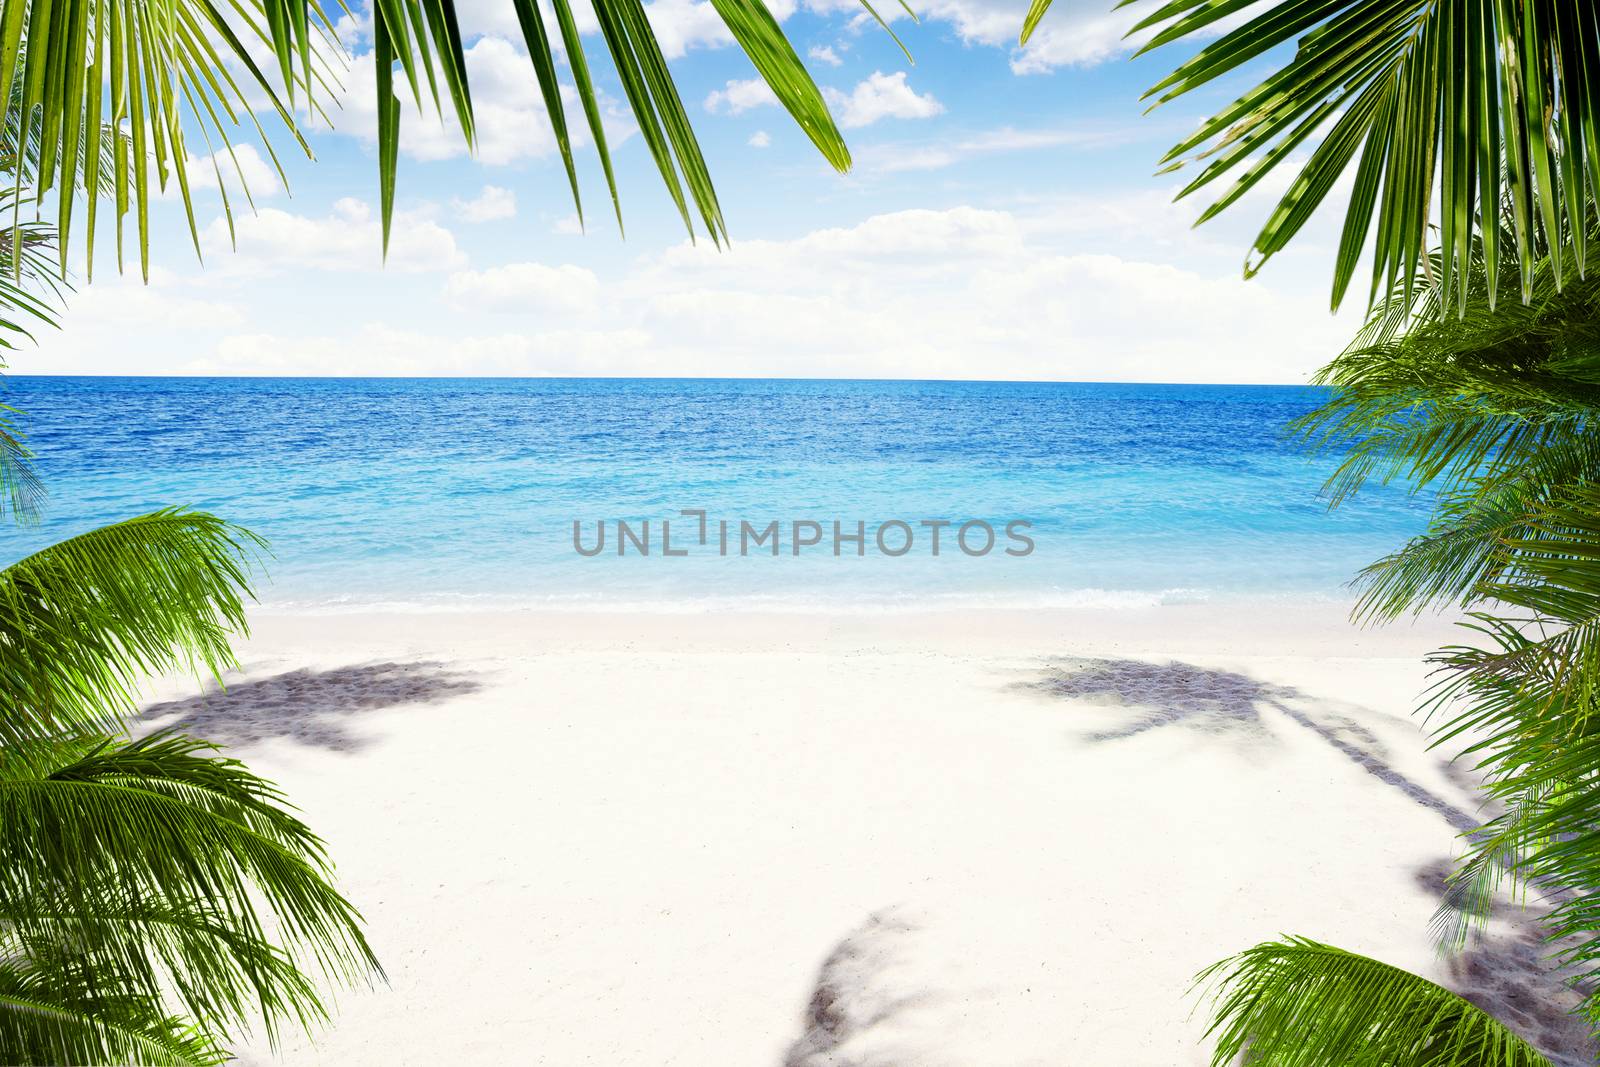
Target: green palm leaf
50,1014
83,620
1496,411
166,67
1491,409
168,870
1458,103
21,491
1299,1003
30,287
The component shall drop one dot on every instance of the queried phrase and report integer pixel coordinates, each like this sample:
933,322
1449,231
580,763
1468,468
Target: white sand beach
876,841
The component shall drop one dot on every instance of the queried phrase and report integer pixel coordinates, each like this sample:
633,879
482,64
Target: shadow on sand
855,993
311,707
1226,704
1509,973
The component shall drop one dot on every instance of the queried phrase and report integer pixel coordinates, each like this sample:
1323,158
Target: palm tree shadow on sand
1226,704
1507,970
861,1003
858,995
310,707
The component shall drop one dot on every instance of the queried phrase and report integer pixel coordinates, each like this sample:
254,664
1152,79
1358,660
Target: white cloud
1050,293
760,139
118,324
567,224
823,53
679,25
512,124
684,24
243,168
382,350
741,96
118,302
491,204
525,287
348,238
498,18
1073,33
972,293
881,96
948,151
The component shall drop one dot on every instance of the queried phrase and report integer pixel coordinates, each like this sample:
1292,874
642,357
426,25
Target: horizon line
7,375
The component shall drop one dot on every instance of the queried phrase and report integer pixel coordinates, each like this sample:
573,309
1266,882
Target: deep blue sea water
462,492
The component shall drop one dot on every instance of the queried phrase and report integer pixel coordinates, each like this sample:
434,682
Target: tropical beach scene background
722,532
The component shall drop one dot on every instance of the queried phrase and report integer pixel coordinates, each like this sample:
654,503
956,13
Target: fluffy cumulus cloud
1046,293
973,293
823,53
384,350
490,205
241,169
511,121
347,238
738,97
1074,33
680,25
760,139
121,325
684,24
525,287
881,96
118,304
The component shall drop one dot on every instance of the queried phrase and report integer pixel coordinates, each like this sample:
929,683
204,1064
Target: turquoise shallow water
445,493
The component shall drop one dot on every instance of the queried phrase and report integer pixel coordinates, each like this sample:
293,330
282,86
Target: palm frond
1492,409
167,869
1459,103
158,68
1499,852
1300,1003
1448,395
1470,540
30,288
81,622
166,70
1521,700
21,490
50,1014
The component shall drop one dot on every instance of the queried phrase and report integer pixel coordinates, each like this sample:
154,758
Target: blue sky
1003,220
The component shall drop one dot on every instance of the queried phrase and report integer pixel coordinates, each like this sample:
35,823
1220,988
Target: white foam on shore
838,603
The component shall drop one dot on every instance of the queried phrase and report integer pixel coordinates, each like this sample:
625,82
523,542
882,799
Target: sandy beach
872,840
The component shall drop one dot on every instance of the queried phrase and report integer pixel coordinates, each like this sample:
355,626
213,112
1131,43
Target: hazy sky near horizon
1002,221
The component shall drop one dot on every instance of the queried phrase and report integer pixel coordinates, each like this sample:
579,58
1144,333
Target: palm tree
1494,411
1443,106
1297,1003
1472,123
155,897
167,72
1491,96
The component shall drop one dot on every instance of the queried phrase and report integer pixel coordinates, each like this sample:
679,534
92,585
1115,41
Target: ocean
444,494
